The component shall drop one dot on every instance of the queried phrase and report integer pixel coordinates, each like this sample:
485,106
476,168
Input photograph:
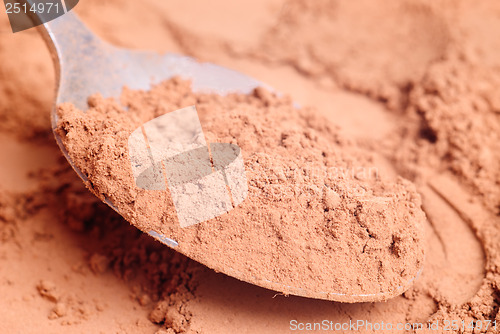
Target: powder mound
459,109
319,219
361,45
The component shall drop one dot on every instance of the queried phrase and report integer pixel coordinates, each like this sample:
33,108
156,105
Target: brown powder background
438,124
316,218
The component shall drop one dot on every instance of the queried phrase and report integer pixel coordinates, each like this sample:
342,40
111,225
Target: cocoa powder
386,72
318,221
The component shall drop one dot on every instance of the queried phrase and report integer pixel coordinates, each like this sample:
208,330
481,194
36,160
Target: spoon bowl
86,65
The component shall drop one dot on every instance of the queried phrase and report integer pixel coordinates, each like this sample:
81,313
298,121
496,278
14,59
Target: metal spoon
85,65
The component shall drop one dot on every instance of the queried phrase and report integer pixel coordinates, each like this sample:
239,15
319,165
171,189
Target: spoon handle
84,63
66,36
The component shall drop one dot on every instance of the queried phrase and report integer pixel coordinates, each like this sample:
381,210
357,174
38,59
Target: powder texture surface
318,221
412,81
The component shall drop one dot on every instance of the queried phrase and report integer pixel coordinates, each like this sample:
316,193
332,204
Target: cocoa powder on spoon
319,215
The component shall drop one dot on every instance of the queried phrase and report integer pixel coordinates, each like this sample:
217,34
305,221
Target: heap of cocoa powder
319,219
